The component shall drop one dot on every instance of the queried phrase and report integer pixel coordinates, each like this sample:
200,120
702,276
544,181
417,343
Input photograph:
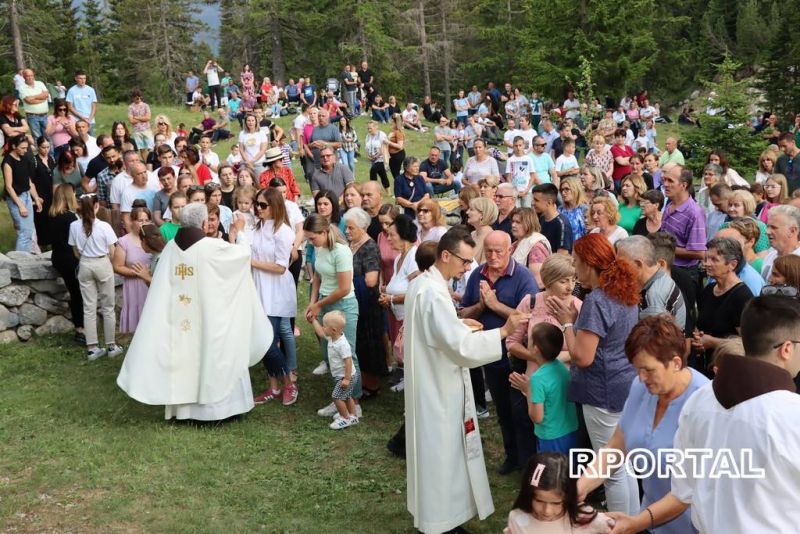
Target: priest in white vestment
446,475
201,328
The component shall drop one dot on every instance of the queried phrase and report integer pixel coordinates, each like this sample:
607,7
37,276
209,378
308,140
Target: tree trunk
16,37
423,38
444,7
278,63
362,37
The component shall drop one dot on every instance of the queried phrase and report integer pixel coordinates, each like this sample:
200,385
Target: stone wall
33,299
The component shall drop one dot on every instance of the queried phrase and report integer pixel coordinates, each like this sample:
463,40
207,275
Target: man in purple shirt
684,219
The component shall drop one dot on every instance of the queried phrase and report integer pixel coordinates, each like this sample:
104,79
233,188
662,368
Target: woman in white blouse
93,243
430,220
604,217
253,143
481,164
271,249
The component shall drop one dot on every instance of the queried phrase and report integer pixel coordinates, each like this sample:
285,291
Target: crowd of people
613,305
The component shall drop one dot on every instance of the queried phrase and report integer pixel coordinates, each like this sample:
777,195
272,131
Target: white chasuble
202,326
447,483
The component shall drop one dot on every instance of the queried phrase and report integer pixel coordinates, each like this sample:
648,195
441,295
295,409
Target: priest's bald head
194,216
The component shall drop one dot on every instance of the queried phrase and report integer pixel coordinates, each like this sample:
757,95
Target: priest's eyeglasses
464,261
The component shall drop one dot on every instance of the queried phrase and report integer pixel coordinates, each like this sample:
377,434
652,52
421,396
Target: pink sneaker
266,396
290,394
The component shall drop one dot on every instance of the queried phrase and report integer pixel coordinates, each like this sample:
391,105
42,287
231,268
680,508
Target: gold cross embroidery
185,299
184,270
186,325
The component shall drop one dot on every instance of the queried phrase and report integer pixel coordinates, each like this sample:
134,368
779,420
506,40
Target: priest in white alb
201,328
447,481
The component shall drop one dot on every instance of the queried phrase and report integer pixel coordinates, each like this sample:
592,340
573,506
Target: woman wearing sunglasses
60,127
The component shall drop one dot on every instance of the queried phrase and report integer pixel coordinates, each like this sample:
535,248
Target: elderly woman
776,192
430,221
786,271
530,247
409,188
630,192
600,156
558,280
742,204
481,215
657,350
720,304
651,202
594,183
729,176
366,282
574,205
271,247
604,218
481,164
276,168
332,288
601,375
132,263
712,175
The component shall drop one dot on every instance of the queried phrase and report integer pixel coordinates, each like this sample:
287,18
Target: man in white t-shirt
748,420
411,119
138,189
511,133
92,150
572,106
212,70
783,229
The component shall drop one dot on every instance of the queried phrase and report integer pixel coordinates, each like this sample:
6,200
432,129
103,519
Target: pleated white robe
446,475
202,326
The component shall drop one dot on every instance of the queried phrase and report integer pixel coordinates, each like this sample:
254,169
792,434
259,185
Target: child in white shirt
567,163
641,141
521,172
234,159
340,362
243,199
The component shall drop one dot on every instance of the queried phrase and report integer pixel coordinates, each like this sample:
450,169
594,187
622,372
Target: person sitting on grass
340,361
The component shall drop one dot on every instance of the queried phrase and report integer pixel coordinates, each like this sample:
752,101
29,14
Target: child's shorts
343,393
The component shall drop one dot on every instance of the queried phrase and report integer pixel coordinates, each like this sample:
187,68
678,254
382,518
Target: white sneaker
400,386
353,420
358,411
95,353
339,424
488,395
321,369
114,350
327,411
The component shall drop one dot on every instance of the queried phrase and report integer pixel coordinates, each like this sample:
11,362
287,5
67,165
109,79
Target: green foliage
780,77
728,129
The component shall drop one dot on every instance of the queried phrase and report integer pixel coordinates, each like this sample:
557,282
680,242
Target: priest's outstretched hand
514,319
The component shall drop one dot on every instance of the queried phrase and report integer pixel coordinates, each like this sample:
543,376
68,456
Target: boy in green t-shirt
555,417
177,201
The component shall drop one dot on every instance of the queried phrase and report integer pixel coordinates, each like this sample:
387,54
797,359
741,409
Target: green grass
76,454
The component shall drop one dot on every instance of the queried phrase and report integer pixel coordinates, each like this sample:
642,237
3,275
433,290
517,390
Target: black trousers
215,92
396,162
379,169
67,272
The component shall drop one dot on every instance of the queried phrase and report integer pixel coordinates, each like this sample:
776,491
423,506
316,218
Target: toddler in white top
340,362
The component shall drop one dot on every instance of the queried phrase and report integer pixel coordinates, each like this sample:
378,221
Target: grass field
77,455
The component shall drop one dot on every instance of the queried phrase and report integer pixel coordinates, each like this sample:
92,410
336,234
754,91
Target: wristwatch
565,326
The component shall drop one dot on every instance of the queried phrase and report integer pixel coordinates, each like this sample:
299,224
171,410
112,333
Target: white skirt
239,401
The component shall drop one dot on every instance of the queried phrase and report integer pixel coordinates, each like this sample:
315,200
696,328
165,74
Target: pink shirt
61,135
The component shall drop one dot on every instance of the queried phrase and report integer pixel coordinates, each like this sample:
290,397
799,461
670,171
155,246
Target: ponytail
87,204
319,224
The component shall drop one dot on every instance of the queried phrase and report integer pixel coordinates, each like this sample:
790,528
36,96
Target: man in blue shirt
493,292
309,94
82,100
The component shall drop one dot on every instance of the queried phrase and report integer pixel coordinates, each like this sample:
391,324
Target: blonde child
340,362
243,198
234,159
567,163
548,501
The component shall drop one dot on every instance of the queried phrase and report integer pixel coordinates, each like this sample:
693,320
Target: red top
203,174
286,174
621,151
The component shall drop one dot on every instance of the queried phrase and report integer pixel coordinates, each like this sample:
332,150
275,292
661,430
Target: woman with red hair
601,374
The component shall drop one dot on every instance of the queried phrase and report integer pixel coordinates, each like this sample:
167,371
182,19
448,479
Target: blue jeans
274,360
23,225
38,124
380,115
349,307
348,158
435,189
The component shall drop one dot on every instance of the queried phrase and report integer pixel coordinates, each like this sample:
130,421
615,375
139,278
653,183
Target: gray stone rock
35,270
695,94
5,277
30,314
50,304
8,319
55,325
18,255
25,332
9,336
48,286
14,295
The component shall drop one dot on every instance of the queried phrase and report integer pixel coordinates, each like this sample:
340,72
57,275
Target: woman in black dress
43,165
62,213
366,274
721,303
